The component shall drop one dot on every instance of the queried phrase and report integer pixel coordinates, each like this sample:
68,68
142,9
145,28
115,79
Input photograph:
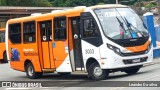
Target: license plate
136,60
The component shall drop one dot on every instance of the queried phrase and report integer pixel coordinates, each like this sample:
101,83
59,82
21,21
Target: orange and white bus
96,40
3,55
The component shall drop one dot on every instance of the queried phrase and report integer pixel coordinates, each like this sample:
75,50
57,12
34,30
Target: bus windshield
121,23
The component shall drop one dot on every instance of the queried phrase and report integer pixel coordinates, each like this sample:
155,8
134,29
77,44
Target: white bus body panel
89,51
65,66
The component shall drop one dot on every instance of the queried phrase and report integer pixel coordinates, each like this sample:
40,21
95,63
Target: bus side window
29,32
60,28
90,29
2,36
15,33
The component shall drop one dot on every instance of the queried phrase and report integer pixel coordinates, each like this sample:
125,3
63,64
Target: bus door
46,44
78,61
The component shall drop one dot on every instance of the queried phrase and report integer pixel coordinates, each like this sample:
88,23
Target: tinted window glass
46,30
60,28
90,29
29,32
2,36
15,33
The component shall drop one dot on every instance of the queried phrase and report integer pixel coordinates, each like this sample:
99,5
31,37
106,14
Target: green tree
63,3
42,3
72,3
2,2
35,3
150,5
69,3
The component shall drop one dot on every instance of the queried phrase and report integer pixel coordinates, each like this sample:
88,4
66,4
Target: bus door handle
75,36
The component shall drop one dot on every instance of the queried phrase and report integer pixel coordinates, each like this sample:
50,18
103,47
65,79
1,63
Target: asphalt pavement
149,74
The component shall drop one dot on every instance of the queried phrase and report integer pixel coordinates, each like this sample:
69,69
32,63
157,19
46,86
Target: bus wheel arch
5,57
89,62
30,71
94,70
26,62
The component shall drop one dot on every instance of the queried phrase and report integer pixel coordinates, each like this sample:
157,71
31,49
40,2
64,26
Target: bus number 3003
89,51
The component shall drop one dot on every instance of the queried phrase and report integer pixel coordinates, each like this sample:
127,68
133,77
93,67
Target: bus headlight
149,47
115,49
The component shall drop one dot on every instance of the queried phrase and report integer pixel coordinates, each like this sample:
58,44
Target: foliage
35,3
55,3
63,3
150,5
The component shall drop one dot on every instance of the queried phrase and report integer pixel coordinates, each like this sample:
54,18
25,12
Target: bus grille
131,61
135,53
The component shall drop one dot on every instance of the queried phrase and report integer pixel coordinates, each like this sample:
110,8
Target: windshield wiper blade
129,25
125,23
121,24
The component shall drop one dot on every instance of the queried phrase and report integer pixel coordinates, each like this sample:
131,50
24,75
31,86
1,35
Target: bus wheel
96,73
132,71
31,72
5,58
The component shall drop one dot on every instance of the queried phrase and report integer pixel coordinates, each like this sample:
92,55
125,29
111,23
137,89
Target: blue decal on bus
53,45
15,55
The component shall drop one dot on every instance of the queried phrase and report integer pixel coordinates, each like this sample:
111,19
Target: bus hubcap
30,71
97,71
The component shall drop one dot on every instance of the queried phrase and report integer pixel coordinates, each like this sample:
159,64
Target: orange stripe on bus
139,48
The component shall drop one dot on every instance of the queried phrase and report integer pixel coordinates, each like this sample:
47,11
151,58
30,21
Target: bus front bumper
115,61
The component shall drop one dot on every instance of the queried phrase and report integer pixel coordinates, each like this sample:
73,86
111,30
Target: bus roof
61,13
45,16
108,6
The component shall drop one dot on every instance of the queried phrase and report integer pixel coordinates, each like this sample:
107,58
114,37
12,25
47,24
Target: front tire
31,72
96,73
132,71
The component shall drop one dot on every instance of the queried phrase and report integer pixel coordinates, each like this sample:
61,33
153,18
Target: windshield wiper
124,22
121,24
129,25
